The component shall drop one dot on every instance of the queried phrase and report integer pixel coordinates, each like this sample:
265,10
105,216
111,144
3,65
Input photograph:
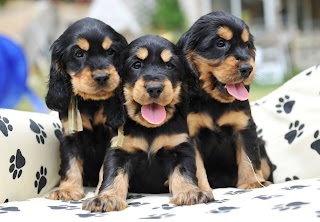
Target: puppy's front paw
191,197
104,203
66,194
254,185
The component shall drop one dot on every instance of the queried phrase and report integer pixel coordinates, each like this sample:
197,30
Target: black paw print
58,130
38,129
316,144
293,178
223,210
137,204
168,207
285,104
259,133
134,196
41,180
266,197
296,131
64,207
318,213
158,216
18,161
289,206
4,210
295,187
5,127
237,192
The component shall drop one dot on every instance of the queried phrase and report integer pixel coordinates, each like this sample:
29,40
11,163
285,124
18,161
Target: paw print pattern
289,206
259,133
41,179
223,210
316,144
285,105
5,126
295,131
17,162
293,178
39,130
58,130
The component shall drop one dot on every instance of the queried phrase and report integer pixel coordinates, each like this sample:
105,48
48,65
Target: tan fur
84,85
238,119
199,120
225,72
99,118
201,174
248,177
245,35
138,94
266,171
132,144
225,32
100,181
86,123
166,55
111,198
83,44
106,44
71,187
142,53
168,141
185,192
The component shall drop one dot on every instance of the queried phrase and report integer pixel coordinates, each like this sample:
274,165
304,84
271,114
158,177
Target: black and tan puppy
156,154
85,60
220,48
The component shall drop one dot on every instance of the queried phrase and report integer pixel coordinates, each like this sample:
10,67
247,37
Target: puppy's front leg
114,188
71,184
250,174
183,181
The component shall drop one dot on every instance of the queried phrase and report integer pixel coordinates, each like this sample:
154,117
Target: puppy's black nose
245,70
101,78
154,90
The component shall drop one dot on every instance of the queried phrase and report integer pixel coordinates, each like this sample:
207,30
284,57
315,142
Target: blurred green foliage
168,16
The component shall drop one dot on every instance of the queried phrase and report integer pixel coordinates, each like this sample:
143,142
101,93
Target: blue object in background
13,77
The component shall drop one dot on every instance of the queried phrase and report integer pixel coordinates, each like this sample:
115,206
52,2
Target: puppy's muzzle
154,90
245,70
101,78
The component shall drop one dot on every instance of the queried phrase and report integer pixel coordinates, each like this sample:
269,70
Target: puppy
85,60
221,51
155,154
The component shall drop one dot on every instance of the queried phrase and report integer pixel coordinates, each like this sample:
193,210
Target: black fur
218,146
89,145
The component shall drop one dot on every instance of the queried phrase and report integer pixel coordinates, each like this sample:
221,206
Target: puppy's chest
150,141
217,119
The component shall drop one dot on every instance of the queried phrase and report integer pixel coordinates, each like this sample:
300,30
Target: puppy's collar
119,142
74,117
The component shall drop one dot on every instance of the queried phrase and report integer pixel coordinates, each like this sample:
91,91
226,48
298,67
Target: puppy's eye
169,65
221,43
110,51
137,65
79,54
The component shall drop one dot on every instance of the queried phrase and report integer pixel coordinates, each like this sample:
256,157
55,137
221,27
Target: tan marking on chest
238,119
199,120
168,141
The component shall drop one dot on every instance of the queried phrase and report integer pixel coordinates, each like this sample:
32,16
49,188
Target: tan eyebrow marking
106,44
245,35
225,32
166,55
83,44
142,53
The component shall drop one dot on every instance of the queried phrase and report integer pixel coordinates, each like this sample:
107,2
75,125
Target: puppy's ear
192,77
116,115
59,92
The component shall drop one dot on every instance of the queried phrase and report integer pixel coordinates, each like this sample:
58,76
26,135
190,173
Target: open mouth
153,113
238,91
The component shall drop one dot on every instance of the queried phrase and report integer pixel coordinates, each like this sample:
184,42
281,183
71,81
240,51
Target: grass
258,91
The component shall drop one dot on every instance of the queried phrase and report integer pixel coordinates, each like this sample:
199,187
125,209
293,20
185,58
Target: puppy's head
85,60
220,48
155,80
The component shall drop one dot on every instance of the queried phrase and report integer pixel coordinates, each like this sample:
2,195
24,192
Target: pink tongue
238,91
153,113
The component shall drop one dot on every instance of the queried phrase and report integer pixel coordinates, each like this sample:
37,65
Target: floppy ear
192,77
116,115
59,92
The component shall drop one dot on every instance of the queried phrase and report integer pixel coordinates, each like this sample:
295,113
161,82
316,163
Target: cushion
288,119
29,160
